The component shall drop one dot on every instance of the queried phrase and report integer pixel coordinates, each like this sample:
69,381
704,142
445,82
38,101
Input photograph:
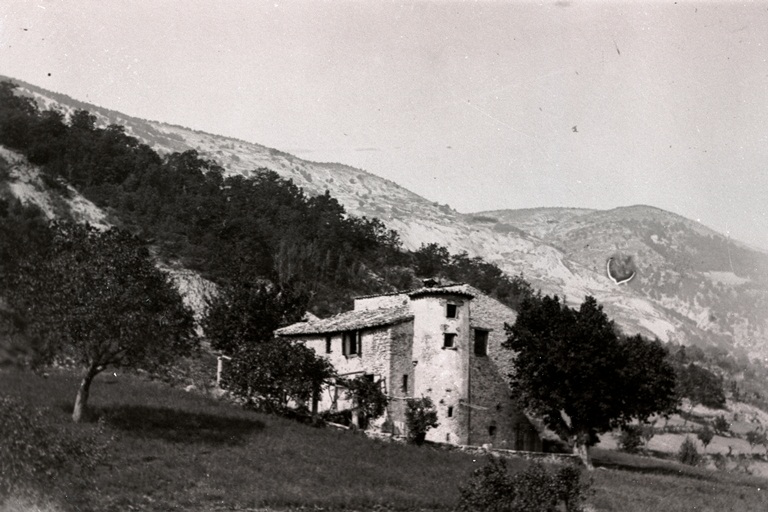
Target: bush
705,435
36,455
720,461
688,453
370,400
756,437
631,438
493,489
420,416
721,425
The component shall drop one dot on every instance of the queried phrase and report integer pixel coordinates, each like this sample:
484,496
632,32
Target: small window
451,311
369,377
351,343
405,384
492,430
327,344
450,412
449,340
481,342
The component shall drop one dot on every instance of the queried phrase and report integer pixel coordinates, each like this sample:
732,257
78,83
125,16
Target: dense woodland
263,228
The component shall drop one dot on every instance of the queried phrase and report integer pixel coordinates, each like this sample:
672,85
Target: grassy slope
177,450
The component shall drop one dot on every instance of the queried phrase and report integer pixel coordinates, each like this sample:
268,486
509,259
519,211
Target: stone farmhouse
442,342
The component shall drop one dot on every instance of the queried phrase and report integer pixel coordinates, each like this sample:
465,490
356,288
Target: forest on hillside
227,228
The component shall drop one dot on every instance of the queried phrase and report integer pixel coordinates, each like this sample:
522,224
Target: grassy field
180,451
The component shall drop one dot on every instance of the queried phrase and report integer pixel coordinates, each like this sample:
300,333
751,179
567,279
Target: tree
580,377
700,386
688,454
705,435
420,416
250,311
756,437
271,374
721,425
369,399
96,301
266,373
431,259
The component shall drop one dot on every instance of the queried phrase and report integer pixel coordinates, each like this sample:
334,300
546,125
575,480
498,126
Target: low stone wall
551,458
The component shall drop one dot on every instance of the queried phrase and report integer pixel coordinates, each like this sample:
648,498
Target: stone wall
440,373
381,301
494,418
385,352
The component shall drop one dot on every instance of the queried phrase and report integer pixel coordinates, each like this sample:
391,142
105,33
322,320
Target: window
450,412
481,342
327,344
492,430
351,343
405,384
449,340
451,311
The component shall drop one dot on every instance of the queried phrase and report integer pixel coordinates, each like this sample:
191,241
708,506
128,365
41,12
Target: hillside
173,450
693,285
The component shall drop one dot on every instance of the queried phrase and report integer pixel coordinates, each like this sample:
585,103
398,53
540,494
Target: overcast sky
478,105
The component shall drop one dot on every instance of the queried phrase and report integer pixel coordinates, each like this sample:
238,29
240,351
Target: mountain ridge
685,290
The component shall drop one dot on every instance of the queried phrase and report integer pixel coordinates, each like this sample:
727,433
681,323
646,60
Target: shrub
420,416
705,435
720,461
647,432
370,400
631,438
756,437
535,489
688,453
721,425
37,455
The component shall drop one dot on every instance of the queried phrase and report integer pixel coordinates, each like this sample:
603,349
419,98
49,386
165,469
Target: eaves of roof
349,321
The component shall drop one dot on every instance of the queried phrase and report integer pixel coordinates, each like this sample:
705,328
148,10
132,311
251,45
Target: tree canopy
266,373
582,378
96,300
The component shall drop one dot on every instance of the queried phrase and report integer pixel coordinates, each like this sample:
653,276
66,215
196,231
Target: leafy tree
631,438
721,425
97,301
705,435
271,374
688,453
756,437
420,416
580,377
249,312
431,259
267,373
369,399
697,384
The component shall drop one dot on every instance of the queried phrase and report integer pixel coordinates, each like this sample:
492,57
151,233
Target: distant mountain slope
693,285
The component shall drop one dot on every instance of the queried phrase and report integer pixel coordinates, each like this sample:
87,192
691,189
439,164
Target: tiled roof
436,289
457,289
351,320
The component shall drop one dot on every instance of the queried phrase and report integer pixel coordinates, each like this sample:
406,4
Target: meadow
177,450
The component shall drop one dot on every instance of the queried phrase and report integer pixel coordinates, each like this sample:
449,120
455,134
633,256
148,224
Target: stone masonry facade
442,342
